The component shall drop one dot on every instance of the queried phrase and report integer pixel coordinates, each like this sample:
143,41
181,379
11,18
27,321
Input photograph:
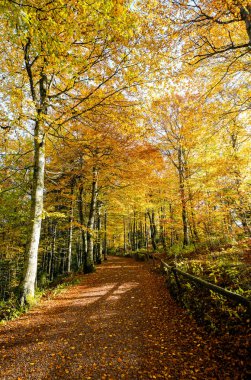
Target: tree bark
105,237
153,229
99,240
162,227
172,232
89,264
28,286
81,220
186,239
70,230
53,249
124,225
40,101
135,240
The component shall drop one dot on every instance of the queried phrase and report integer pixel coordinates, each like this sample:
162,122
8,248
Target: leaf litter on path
118,323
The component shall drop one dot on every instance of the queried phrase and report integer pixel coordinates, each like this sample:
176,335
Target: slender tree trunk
124,225
81,220
135,235
141,233
53,249
146,232
99,241
44,258
146,236
153,229
70,231
184,216
172,232
89,265
134,239
105,237
162,217
79,249
49,264
130,236
193,229
186,240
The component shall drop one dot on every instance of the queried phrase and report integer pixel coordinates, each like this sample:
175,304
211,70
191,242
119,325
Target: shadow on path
120,323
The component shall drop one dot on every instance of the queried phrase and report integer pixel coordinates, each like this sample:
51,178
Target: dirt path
119,323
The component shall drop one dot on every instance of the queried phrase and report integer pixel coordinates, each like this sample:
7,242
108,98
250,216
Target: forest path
119,323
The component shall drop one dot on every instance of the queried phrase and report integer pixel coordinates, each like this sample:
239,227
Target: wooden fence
217,289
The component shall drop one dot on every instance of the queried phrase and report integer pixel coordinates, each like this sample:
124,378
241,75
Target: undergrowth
11,308
223,265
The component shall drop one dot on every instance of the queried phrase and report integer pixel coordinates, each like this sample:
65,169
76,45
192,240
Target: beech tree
63,64
103,163
177,129
213,38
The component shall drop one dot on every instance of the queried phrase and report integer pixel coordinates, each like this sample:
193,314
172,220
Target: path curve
119,323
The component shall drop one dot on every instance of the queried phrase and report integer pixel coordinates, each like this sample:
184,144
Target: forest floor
118,323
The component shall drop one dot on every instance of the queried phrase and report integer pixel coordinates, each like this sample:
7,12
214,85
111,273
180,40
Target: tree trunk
81,220
162,217
133,233
172,229
135,237
186,240
124,225
53,249
141,235
89,264
70,231
99,241
105,237
79,250
28,285
194,232
39,98
146,232
152,229
130,235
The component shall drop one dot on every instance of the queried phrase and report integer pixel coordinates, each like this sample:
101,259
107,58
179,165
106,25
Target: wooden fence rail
217,289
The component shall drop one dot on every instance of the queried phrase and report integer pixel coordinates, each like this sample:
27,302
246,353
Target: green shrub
10,309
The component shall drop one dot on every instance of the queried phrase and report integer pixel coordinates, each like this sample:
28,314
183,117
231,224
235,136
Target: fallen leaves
144,335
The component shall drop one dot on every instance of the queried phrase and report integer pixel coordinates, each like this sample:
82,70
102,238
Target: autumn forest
124,127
